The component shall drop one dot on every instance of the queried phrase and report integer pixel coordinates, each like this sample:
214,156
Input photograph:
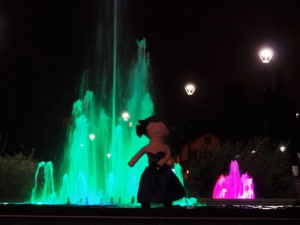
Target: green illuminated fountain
100,142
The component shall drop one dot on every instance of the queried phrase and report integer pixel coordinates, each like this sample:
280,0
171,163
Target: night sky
44,47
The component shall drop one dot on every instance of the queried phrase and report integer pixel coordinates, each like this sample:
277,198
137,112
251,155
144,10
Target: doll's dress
159,185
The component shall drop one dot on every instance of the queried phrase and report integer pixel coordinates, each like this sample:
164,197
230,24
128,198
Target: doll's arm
136,157
165,159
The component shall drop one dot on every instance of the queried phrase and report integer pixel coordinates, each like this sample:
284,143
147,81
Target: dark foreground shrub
16,177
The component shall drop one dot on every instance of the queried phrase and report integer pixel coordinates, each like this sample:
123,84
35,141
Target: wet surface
210,211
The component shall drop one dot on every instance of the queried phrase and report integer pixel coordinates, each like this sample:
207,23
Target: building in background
207,141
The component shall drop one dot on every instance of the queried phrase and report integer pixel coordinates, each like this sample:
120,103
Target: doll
158,183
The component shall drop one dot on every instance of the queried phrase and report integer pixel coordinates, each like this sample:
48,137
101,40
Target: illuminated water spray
44,191
234,186
100,142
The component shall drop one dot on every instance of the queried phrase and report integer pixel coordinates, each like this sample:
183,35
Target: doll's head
153,127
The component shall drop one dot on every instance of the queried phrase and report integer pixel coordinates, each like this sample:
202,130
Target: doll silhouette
158,183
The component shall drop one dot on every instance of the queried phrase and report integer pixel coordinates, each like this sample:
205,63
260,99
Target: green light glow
96,171
100,139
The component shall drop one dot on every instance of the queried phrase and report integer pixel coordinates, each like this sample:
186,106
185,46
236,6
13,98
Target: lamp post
190,89
297,144
265,55
298,163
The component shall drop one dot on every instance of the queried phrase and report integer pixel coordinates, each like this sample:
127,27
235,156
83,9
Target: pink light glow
234,186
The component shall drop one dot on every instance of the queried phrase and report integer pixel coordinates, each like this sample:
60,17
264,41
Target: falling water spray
99,141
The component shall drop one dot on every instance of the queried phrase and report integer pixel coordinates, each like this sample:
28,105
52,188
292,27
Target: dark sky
218,42
44,44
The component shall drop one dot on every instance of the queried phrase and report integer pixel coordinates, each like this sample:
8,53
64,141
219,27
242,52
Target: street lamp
265,55
92,137
298,164
282,148
190,89
125,116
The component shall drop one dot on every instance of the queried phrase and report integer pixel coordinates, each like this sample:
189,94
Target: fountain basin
256,211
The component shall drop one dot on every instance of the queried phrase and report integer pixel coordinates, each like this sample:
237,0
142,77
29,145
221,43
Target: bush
269,168
16,177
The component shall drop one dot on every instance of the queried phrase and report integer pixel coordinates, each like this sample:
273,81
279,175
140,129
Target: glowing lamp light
125,116
108,155
92,137
266,55
297,115
190,89
282,148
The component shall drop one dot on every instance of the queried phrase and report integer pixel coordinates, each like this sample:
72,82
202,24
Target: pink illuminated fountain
234,186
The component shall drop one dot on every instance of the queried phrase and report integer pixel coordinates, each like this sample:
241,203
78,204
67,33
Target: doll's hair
142,127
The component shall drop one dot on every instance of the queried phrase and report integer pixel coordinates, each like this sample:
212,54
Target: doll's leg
145,205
